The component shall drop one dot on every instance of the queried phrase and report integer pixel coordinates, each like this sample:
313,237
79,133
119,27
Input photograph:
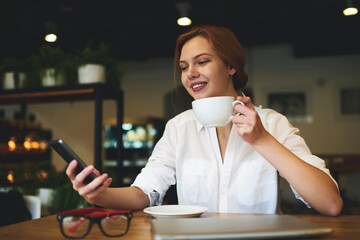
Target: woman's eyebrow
196,57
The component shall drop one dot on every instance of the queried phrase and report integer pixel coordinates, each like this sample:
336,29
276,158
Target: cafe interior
302,59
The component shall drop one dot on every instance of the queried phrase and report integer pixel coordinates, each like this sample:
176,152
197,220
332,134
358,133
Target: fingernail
108,181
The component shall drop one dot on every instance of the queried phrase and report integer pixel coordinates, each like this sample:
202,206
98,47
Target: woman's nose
193,72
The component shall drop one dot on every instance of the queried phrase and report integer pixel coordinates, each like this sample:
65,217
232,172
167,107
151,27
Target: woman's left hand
248,122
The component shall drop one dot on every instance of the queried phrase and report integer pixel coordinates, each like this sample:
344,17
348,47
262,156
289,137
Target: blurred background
303,60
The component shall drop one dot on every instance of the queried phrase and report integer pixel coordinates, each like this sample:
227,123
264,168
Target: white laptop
239,227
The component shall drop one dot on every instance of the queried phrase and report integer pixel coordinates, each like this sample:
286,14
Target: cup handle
235,103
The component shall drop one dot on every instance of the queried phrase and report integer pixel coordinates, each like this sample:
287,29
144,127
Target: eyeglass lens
75,226
114,225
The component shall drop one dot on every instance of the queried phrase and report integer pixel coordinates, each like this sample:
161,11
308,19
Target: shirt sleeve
290,137
159,173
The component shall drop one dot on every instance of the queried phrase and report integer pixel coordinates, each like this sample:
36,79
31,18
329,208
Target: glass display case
138,143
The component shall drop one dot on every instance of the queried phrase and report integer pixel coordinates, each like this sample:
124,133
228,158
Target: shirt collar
199,126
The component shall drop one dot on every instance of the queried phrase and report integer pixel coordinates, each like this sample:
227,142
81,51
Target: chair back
13,208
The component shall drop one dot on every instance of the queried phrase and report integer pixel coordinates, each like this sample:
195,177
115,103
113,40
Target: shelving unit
97,92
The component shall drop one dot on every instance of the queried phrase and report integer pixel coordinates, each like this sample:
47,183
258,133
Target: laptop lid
239,227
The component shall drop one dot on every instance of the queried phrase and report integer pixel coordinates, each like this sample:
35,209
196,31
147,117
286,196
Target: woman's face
203,73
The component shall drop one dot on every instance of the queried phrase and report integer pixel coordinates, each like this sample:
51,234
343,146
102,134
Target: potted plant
97,65
12,73
50,67
51,61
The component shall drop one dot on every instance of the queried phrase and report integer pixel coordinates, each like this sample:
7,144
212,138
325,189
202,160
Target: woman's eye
203,62
183,68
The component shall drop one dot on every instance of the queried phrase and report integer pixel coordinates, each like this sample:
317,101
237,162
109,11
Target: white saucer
175,211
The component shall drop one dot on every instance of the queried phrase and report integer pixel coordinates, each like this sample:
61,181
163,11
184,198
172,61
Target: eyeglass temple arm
88,211
82,211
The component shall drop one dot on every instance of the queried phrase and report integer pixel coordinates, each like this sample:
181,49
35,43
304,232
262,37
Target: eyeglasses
77,223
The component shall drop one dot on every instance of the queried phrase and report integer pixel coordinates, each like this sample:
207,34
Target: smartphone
68,155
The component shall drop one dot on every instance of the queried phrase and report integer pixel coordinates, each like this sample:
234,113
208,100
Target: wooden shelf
57,94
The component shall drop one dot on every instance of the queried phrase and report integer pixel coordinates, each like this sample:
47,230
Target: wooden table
345,227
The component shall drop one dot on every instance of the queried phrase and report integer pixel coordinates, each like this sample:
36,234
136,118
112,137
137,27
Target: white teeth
198,85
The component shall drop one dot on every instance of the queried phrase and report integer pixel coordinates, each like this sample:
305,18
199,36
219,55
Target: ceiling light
350,9
184,21
50,35
184,9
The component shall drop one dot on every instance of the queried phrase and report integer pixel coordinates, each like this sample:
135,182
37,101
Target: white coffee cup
215,111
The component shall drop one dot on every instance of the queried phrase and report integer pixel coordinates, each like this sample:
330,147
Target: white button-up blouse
188,154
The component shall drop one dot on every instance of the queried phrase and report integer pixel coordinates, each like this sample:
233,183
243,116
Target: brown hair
225,45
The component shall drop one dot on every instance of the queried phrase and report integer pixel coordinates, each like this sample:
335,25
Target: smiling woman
235,167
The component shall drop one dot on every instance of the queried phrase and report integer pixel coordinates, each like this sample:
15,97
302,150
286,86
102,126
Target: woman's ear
231,70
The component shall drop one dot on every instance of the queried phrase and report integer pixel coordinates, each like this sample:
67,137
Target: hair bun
240,79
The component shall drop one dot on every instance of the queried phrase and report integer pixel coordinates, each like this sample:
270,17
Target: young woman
233,168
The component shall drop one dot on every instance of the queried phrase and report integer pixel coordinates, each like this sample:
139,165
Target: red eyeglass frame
94,215
90,210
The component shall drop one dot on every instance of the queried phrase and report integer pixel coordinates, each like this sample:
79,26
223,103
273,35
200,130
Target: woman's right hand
91,191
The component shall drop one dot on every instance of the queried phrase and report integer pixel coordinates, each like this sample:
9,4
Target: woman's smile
198,86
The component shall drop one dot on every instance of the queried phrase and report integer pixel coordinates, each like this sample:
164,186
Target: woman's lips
198,86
